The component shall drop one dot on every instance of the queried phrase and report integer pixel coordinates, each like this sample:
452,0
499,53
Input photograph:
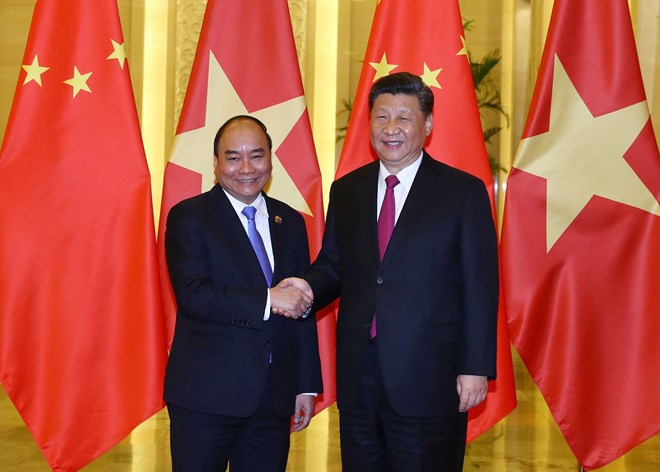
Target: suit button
367,326
379,280
267,343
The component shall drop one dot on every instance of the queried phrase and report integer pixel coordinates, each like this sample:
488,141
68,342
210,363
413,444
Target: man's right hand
291,297
300,284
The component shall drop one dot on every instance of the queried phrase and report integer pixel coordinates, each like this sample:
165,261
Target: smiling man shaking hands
243,359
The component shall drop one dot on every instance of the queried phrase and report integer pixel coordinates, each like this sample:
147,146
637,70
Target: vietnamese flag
426,38
581,235
82,338
246,63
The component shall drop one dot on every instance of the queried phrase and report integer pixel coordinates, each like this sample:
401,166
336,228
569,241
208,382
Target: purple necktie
385,227
258,243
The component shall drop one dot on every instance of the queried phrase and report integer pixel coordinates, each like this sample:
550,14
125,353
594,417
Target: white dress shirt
406,177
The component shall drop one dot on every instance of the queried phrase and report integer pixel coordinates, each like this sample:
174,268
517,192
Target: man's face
398,130
243,164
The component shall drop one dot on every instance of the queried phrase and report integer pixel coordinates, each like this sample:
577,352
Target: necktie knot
391,181
249,212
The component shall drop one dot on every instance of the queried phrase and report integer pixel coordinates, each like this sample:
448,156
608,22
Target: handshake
292,298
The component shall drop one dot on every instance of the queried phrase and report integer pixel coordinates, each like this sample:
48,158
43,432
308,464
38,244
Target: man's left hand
303,413
471,390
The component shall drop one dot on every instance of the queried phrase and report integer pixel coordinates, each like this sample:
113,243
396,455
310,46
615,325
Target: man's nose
246,166
390,127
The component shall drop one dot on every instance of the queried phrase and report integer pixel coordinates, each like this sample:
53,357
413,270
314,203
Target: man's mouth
392,143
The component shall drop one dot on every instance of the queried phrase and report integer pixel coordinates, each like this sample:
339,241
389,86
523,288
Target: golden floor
527,440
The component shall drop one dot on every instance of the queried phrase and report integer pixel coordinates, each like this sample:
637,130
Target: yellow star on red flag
463,51
382,67
34,71
582,156
79,81
430,77
192,151
119,53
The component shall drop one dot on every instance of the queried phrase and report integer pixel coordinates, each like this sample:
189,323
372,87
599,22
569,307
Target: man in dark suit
416,328
242,362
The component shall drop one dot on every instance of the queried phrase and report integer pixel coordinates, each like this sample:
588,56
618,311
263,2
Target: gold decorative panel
189,16
298,12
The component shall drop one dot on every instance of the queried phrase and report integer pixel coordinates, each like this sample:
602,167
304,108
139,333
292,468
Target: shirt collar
259,203
405,175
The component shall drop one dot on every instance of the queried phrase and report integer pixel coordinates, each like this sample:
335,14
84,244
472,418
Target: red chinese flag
82,339
581,235
426,38
246,63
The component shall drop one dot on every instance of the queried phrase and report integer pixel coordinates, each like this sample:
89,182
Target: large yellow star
430,77
34,71
582,156
382,67
119,53
194,149
78,81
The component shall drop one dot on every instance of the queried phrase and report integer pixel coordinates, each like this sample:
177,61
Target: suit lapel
232,231
368,220
276,224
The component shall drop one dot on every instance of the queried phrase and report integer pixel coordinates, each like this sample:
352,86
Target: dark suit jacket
435,293
220,355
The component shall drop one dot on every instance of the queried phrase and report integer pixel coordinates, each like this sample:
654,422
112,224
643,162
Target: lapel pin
278,219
